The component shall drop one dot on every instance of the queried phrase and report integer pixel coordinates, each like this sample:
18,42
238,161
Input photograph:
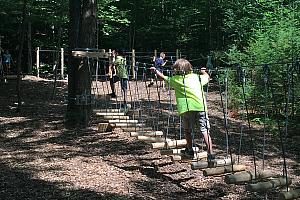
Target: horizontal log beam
199,155
292,194
211,164
223,170
129,121
246,176
152,139
267,185
169,144
130,129
175,151
146,133
109,114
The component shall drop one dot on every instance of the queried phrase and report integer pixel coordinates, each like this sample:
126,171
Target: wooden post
177,54
38,62
62,63
155,53
133,64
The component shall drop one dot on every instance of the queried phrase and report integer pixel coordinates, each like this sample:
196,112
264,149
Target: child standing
122,73
191,103
159,63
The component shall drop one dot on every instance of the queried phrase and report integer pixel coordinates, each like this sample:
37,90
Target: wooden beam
213,163
246,176
109,110
110,117
267,185
199,155
110,114
152,139
223,170
175,151
292,194
169,144
146,133
121,125
129,121
130,129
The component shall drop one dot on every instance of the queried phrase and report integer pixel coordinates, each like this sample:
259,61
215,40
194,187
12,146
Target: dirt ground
41,159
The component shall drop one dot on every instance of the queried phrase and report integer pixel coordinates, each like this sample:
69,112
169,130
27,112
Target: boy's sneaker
188,153
152,83
211,157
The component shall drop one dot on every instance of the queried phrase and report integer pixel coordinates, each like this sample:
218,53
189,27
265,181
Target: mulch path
41,159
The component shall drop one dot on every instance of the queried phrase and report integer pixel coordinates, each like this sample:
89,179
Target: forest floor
41,159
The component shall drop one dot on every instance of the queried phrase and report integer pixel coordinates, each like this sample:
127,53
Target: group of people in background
189,93
5,63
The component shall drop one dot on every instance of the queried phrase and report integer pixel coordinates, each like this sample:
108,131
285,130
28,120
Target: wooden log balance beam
110,114
134,128
111,117
146,133
223,170
211,164
246,176
175,151
121,125
268,185
198,155
152,139
129,121
292,194
109,110
169,144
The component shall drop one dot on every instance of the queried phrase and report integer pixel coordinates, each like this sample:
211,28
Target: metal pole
133,64
62,62
38,61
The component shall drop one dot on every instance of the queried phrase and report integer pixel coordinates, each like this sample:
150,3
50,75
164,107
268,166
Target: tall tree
82,35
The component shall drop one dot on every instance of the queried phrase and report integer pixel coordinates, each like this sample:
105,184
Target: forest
64,137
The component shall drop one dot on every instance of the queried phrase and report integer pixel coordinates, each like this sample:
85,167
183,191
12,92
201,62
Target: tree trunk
29,70
20,51
82,34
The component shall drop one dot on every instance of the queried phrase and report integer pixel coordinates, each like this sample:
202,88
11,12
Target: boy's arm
158,73
205,75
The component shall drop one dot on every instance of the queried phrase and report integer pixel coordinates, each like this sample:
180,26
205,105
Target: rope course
153,118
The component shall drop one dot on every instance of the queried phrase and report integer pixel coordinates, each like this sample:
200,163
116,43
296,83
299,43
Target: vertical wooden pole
133,64
177,54
155,53
62,62
38,62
